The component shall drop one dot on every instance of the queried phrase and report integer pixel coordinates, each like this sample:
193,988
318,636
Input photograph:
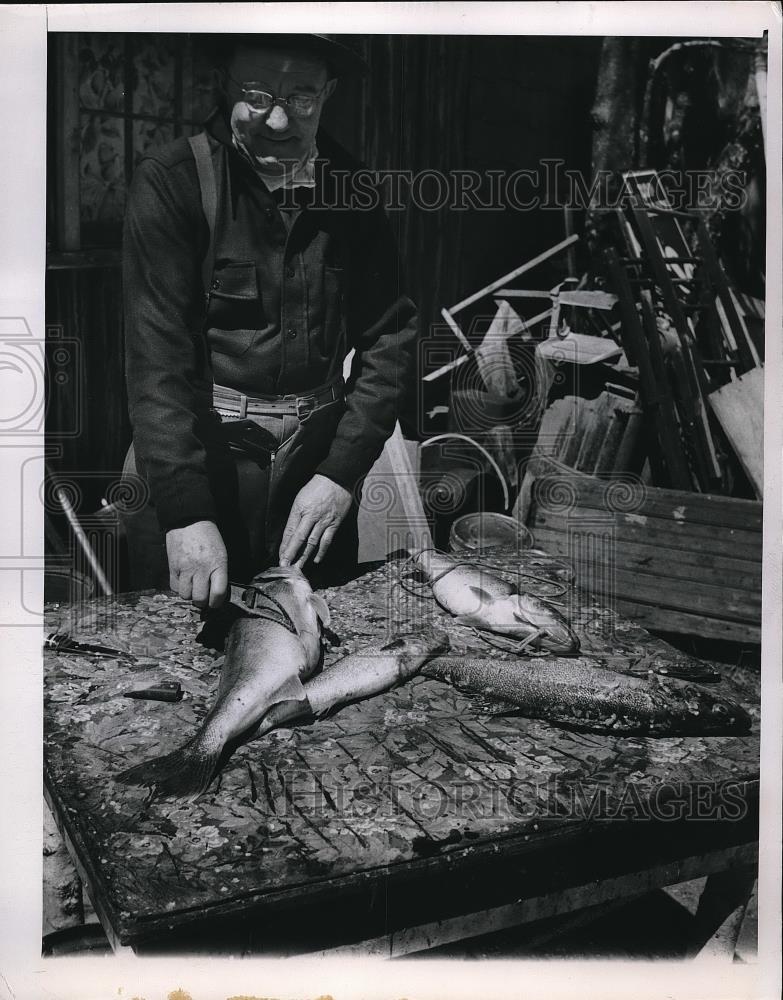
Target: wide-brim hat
341,59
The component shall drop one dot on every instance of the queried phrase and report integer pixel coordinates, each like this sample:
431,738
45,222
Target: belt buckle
304,406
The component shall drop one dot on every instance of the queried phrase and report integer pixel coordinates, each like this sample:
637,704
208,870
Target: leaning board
373,793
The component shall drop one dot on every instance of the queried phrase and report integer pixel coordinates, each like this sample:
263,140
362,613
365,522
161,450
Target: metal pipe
81,538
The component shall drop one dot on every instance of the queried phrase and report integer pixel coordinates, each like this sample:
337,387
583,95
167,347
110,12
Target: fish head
705,712
424,642
291,589
430,561
285,584
560,639
724,717
557,636
279,573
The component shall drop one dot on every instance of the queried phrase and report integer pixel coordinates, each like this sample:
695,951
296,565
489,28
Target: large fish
573,693
266,658
477,597
360,675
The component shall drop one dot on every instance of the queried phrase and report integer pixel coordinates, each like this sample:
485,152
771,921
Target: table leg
720,913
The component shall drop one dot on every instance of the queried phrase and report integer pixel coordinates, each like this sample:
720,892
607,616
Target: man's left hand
316,514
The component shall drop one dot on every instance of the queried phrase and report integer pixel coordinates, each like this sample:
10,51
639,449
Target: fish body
266,659
483,600
575,693
360,675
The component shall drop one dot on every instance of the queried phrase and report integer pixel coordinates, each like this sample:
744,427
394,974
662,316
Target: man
252,448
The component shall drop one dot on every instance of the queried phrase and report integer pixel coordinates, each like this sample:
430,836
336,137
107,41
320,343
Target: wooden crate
593,436
680,562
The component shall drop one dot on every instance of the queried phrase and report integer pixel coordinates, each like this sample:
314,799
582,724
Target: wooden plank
613,579
720,913
729,315
86,873
661,562
746,948
684,595
679,505
630,454
645,529
653,617
455,329
516,273
582,411
739,407
557,424
654,389
595,434
586,429
63,904
758,357
445,369
607,453
686,361
437,933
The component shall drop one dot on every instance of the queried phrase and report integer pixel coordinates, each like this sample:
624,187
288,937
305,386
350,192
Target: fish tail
183,774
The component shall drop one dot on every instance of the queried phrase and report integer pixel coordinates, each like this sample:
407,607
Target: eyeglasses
299,105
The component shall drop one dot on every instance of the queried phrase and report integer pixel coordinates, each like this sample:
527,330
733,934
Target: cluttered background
571,319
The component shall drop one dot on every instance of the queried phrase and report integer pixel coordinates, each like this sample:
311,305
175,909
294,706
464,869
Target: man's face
278,134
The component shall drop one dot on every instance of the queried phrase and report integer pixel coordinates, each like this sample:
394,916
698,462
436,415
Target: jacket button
291,333
216,283
269,214
290,271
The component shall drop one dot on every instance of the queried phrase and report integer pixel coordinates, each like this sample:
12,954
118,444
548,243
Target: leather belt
236,405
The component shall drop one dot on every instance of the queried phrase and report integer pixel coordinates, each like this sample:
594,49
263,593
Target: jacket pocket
235,312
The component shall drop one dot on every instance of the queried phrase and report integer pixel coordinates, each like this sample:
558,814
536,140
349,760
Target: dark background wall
428,103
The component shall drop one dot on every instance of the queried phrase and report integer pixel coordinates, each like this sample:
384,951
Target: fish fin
487,704
396,643
331,637
291,689
521,617
500,709
321,608
483,595
184,774
280,714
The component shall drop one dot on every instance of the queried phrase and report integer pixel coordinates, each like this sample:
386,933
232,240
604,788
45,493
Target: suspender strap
205,169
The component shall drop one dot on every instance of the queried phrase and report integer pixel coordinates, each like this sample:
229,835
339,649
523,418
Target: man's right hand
198,564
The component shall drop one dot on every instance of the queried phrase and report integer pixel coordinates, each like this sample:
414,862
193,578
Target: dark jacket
285,305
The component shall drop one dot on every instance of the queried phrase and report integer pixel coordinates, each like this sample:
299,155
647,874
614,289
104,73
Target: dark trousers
268,459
